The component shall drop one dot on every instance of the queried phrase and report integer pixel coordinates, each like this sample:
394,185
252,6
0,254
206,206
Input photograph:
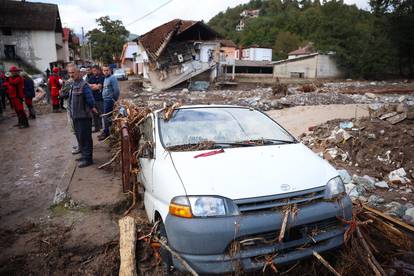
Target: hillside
367,44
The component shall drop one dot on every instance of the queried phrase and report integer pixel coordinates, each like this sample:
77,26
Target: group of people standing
17,86
90,98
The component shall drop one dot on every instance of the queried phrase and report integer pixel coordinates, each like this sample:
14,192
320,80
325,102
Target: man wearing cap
95,82
55,84
81,105
16,94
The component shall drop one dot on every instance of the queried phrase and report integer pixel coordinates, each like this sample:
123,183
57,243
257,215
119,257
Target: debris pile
276,96
375,159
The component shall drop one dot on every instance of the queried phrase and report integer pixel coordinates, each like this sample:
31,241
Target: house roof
227,43
29,16
157,39
308,49
296,58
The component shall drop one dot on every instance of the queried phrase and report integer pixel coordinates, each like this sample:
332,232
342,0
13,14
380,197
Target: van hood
247,172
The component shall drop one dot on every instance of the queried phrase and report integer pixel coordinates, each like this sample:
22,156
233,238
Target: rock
398,176
370,95
345,176
374,200
408,191
351,190
372,136
366,181
382,184
409,205
408,219
410,212
185,90
402,98
401,108
395,209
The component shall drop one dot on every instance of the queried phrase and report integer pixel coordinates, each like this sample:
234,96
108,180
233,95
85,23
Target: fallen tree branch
179,258
376,267
284,225
127,240
110,161
325,263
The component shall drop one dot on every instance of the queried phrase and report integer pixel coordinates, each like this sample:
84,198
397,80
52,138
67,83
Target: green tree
285,43
107,40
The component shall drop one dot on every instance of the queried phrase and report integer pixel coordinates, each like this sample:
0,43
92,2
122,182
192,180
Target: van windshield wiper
259,142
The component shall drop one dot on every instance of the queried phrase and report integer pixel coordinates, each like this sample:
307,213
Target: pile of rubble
261,97
375,158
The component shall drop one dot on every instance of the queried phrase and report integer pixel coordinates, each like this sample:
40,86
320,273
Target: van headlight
334,188
203,206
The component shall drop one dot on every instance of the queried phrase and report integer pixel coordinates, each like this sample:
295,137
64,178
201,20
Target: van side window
146,143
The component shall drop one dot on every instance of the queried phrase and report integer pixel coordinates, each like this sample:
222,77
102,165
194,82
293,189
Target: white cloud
79,13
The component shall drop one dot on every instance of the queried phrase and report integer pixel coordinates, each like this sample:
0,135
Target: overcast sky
78,13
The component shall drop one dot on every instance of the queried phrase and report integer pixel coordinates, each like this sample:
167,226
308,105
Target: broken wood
376,267
127,243
284,225
325,263
389,218
178,257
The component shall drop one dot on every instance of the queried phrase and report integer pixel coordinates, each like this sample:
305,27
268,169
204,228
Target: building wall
258,54
318,66
327,67
66,53
37,48
229,52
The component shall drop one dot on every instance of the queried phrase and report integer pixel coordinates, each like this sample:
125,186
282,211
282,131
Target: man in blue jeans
110,95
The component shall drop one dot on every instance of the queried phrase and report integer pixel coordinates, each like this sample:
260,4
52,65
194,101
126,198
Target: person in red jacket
16,94
55,84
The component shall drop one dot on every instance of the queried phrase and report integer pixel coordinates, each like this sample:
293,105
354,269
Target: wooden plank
389,218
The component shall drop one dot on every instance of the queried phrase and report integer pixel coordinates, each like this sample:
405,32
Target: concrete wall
37,48
318,66
255,78
229,52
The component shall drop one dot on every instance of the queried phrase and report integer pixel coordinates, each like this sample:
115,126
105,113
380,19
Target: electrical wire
151,12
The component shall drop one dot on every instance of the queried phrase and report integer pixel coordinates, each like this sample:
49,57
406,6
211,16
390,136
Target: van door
146,152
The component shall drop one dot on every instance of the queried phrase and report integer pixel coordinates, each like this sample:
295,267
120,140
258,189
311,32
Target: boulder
410,212
381,184
395,209
345,176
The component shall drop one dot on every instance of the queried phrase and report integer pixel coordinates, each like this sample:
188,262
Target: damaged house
180,50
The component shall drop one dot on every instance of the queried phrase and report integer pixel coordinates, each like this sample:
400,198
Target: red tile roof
308,49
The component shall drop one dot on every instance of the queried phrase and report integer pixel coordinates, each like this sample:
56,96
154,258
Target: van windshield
220,127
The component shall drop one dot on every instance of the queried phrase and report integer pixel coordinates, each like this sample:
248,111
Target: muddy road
32,162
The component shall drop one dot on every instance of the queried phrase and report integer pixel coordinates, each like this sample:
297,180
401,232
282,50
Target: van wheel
166,257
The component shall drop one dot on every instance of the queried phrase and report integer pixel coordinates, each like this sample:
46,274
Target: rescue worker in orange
16,94
55,84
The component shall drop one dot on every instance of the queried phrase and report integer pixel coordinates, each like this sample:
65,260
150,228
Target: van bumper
205,243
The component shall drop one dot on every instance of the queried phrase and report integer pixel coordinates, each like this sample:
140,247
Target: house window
6,31
10,51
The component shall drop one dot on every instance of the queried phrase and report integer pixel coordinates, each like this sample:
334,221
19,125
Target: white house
315,65
31,34
255,54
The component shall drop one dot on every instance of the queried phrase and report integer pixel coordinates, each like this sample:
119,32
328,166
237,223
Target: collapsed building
180,50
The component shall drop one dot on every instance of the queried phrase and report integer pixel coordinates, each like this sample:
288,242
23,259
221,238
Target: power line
151,12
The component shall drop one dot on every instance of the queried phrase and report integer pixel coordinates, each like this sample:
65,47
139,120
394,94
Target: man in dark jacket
96,81
29,94
81,105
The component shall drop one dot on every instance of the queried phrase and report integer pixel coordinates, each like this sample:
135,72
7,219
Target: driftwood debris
325,263
127,245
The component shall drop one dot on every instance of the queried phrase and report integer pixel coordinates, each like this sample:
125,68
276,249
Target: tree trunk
127,241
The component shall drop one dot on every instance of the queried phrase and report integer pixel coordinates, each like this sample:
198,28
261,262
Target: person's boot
85,163
25,122
32,113
19,121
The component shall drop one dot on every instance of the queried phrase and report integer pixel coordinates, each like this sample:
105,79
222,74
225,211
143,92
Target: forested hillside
368,44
